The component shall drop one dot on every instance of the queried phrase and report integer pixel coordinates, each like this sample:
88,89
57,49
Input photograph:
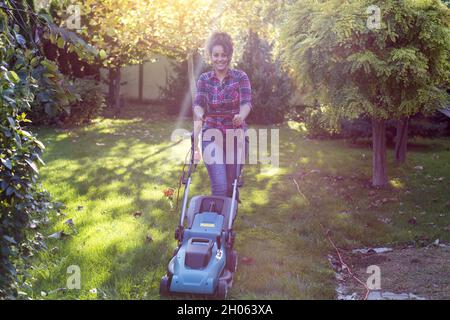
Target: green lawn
107,171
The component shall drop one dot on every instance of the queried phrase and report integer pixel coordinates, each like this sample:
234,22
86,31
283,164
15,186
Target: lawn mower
204,261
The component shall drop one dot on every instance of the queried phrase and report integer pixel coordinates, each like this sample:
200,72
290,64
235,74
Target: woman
222,103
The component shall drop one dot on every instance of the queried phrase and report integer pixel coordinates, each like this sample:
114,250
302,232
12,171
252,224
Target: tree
358,63
271,85
130,32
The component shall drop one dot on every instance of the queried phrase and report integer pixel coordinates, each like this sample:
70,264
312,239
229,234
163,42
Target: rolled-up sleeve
245,90
200,95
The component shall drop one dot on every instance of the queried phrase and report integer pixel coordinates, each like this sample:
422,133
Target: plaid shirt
222,101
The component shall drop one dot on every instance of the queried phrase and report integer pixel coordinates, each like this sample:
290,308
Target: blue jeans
222,174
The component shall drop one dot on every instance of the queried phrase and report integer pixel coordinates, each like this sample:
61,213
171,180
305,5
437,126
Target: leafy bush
419,126
271,85
53,93
176,89
81,100
21,199
361,128
89,105
319,125
27,80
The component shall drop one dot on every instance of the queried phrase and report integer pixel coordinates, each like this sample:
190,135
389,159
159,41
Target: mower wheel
222,290
164,286
232,261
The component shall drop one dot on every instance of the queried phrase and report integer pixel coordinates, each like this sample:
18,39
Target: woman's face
219,58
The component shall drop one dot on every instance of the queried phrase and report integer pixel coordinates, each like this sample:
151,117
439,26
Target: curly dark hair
222,39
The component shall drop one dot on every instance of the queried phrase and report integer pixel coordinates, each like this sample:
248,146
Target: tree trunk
141,82
117,97
379,176
401,140
111,91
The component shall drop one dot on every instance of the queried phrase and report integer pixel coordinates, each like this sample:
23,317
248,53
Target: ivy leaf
40,144
102,54
11,121
25,133
32,165
40,160
13,77
60,43
6,163
21,40
10,239
9,191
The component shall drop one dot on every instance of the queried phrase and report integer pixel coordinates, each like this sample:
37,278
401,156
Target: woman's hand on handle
197,155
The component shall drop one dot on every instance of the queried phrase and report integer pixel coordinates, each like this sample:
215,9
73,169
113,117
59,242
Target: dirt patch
422,272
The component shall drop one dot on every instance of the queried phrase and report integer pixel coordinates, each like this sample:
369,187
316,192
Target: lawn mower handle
187,182
240,153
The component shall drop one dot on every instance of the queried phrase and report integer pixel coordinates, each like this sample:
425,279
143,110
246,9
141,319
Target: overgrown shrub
27,79
21,199
176,91
318,127
271,86
419,126
89,105
83,100
53,94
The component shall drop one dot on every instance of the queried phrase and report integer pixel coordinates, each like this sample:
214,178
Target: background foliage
27,80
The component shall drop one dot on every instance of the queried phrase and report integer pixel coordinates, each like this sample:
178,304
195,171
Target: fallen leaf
247,261
100,144
168,192
418,167
373,250
137,214
58,235
34,224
